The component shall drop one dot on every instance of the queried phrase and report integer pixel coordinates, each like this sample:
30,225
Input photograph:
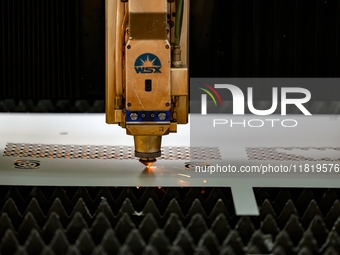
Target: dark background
53,52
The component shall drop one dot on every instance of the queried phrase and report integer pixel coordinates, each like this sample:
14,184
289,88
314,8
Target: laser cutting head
146,70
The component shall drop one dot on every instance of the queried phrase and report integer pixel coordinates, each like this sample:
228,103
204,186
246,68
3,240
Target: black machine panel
56,49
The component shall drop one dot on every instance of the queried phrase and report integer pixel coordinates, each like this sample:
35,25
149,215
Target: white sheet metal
91,129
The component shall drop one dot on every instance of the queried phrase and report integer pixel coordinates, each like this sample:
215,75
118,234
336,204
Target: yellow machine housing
147,70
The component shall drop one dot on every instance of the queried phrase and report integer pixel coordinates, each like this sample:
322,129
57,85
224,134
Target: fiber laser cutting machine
147,70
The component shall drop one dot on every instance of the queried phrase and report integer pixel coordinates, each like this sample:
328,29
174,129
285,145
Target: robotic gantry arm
147,70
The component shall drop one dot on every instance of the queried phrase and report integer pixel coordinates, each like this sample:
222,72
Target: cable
178,22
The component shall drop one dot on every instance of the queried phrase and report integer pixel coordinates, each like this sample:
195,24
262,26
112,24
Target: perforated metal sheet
291,153
105,152
90,129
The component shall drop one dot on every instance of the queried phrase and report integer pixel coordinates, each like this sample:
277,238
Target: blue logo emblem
148,63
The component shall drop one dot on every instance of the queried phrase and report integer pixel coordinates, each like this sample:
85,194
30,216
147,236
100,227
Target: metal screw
162,116
167,104
167,46
171,23
143,115
129,104
128,47
152,115
133,116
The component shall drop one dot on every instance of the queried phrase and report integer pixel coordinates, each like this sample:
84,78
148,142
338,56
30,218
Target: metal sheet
312,133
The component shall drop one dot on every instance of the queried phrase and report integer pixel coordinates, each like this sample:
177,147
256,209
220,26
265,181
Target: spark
185,175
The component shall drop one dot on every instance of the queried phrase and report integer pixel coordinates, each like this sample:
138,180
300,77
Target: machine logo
148,63
26,164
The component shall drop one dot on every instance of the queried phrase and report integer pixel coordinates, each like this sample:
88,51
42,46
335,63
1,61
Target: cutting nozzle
147,148
147,161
